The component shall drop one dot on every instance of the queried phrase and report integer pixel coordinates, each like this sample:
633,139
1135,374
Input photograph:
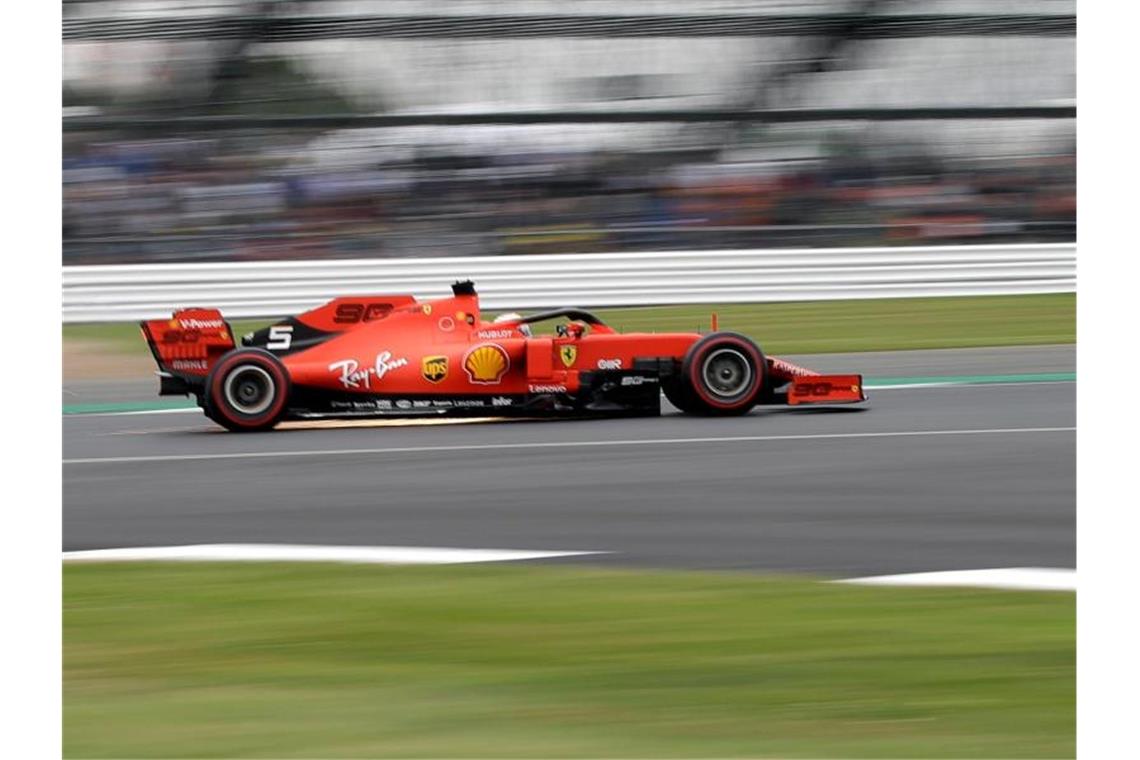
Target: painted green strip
127,406
874,382
1034,377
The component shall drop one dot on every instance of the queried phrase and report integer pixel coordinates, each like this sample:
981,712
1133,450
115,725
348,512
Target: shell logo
486,364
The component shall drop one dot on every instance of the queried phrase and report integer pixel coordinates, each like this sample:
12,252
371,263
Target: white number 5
280,337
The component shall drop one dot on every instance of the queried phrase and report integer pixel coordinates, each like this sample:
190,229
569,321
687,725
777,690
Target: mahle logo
434,368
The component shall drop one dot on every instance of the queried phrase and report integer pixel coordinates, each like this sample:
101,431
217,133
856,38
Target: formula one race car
379,356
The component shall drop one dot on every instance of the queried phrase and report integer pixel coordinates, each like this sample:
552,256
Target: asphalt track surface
922,479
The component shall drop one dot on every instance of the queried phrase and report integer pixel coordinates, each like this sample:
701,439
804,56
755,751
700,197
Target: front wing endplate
826,389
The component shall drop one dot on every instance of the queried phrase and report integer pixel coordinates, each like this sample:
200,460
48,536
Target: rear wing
186,346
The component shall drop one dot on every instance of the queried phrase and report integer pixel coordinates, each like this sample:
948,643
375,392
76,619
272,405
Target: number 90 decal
351,313
811,389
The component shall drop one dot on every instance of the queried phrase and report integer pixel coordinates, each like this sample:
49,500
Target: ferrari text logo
351,376
434,368
568,354
486,364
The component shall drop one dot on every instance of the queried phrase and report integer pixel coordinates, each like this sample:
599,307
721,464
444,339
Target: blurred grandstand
201,130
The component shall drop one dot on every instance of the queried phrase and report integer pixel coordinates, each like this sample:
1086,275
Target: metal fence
267,289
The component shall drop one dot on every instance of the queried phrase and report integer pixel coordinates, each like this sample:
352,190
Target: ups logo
434,368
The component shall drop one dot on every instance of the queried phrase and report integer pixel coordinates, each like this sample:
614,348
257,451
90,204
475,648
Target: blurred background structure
214,130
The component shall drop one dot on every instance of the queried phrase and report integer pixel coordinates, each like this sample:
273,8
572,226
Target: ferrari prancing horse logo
568,354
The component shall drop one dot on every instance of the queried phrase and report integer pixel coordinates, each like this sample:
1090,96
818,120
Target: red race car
380,356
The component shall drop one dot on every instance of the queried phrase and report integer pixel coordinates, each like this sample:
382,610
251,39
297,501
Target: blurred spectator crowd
281,194
267,187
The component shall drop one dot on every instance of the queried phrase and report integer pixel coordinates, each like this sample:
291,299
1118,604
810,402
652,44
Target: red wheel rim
751,385
223,375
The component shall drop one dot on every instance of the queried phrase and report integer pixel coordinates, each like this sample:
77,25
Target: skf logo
568,354
486,364
434,368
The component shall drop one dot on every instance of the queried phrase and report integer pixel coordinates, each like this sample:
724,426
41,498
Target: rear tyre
247,390
207,409
723,374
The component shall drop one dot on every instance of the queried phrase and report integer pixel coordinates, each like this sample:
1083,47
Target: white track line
132,413
1016,578
72,416
560,445
385,555
1019,578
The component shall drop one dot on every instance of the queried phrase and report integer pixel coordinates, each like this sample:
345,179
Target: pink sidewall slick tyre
247,390
723,374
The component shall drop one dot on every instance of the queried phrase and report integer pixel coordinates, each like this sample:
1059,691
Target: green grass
497,661
875,325
808,327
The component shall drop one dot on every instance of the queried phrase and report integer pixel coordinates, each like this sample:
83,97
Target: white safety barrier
268,289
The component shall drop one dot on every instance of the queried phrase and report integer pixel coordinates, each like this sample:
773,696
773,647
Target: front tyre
723,374
247,390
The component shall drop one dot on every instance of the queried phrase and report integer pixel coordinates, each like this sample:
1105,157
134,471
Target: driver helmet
575,328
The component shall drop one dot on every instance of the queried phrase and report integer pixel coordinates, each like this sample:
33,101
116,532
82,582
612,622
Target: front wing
826,389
